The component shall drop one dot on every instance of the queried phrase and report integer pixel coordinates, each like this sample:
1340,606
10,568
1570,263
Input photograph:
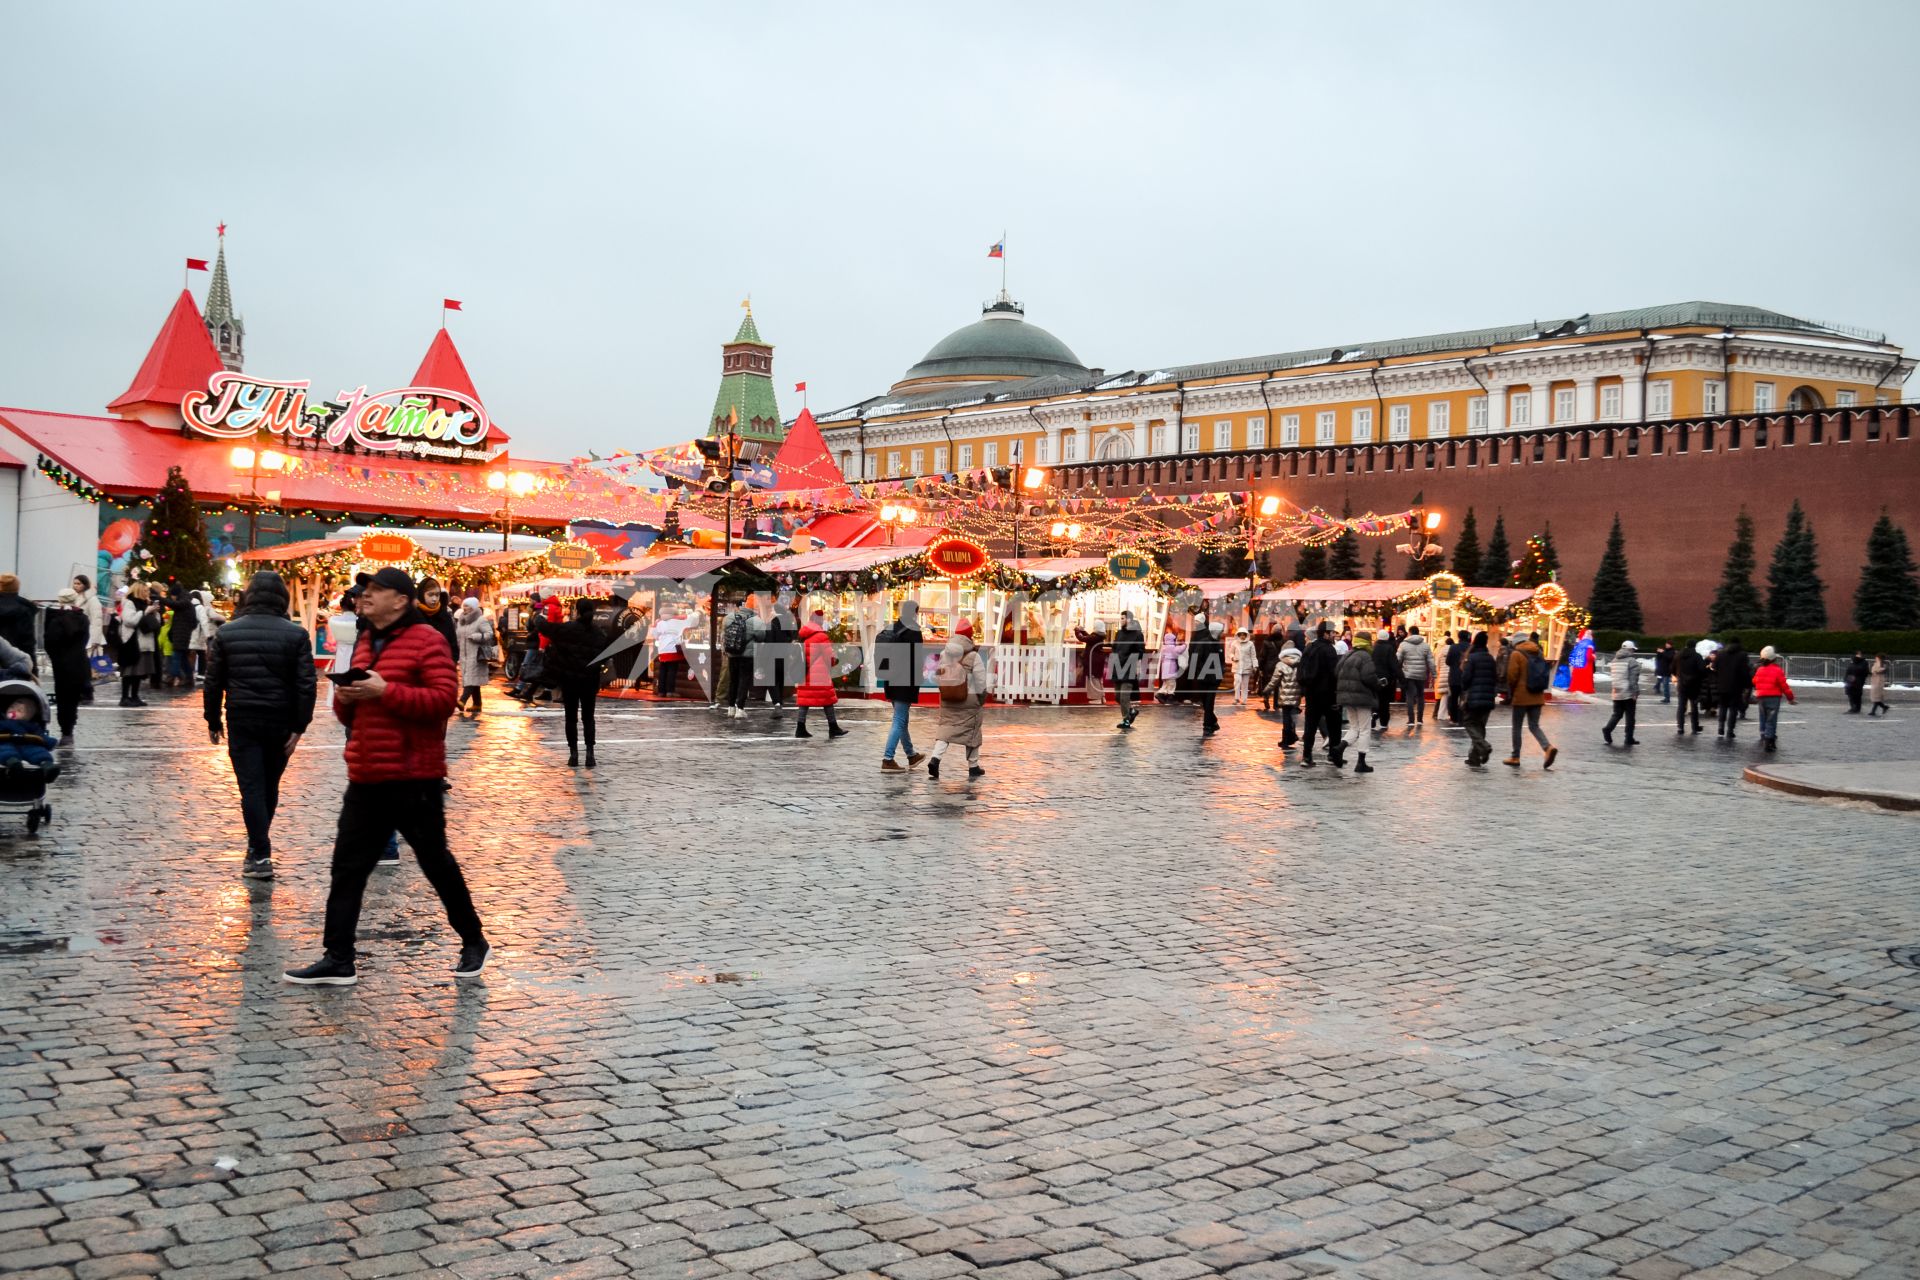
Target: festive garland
994,574
341,564
72,482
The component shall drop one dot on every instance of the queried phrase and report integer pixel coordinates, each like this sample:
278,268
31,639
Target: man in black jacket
1690,675
1319,685
262,664
1478,690
899,653
1128,657
1732,676
16,619
1206,667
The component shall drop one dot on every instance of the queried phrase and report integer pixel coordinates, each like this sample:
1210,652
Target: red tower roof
803,461
181,359
442,367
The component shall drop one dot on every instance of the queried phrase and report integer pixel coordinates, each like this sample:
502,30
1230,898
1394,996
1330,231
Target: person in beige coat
963,687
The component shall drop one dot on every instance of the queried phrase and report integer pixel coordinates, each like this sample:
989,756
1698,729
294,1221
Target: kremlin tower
746,402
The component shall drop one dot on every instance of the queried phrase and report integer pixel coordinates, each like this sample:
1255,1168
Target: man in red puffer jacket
396,771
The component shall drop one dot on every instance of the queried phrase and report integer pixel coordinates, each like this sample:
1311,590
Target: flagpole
1003,262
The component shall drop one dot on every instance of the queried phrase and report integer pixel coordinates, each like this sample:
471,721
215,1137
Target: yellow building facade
1002,392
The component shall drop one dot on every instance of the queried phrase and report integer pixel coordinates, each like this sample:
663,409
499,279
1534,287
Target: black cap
393,580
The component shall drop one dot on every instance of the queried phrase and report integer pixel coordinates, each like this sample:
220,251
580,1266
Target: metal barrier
1833,667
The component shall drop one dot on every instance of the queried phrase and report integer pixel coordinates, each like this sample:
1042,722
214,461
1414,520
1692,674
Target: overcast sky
601,185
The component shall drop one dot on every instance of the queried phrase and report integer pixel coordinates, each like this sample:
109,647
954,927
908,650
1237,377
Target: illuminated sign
956,557
1445,587
572,556
1130,566
427,422
1549,598
388,547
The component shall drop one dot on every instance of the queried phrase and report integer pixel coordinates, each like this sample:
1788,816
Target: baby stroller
24,789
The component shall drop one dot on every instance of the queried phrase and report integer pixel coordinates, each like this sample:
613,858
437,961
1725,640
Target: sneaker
913,760
327,972
892,766
472,960
1553,753
257,869
389,861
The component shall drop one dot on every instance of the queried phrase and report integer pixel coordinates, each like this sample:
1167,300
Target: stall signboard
390,548
1130,566
957,557
1445,588
409,420
572,557
1549,598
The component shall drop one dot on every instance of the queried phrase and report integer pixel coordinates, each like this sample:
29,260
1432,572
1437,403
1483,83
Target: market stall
1439,605
317,570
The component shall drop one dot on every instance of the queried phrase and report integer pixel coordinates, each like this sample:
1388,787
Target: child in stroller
27,764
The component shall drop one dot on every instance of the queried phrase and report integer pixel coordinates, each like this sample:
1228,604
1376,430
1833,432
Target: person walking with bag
963,688
1529,677
473,631
1623,677
816,680
396,757
260,666
896,659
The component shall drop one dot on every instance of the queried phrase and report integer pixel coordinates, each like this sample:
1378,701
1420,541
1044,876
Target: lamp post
895,515
253,461
509,485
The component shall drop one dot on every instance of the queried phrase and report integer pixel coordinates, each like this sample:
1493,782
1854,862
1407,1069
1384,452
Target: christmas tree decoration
1737,604
1536,565
1614,603
174,542
1796,598
1888,598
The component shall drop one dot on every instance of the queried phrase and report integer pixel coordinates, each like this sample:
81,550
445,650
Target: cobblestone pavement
1127,1006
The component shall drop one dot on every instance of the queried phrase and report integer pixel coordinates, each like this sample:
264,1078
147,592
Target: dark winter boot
800,731
1361,766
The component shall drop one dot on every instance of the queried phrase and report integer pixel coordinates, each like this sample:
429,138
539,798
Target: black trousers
669,684
1731,713
1623,709
1854,692
1322,717
740,679
1687,700
369,815
1205,697
1383,710
258,751
578,698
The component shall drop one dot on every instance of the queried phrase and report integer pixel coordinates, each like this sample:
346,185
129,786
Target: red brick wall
1677,509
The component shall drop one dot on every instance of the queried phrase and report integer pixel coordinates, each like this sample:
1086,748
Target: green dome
1001,345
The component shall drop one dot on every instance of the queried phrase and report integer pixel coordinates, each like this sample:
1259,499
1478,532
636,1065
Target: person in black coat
1386,665
1126,666
65,631
1856,681
1319,688
1206,667
17,618
779,651
898,654
1663,660
261,666
1732,677
182,618
1479,689
572,647
1690,673
1456,675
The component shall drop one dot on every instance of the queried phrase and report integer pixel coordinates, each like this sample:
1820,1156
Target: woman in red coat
816,683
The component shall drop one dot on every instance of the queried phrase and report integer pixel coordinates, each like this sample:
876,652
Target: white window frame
990,454
846,462
1289,429
1846,399
1043,450
1189,437
870,466
1324,427
1361,420
1477,411
1070,446
1399,421
1256,433
1158,435
1713,396
1763,400
917,462
940,459
1223,435
1659,399
1611,398
966,457
1520,408
893,463
1566,402
1439,418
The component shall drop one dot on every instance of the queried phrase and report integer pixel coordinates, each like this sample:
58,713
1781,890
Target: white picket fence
1032,673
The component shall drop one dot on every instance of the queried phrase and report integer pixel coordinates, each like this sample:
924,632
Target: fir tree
1379,563
1888,598
1466,551
175,539
1614,602
1343,560
1264,565
1536,565
1737,605
1311,564
1497,563
1796,598
1235,562
1549,554
1208,565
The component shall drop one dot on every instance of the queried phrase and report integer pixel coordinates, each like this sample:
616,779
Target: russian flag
999,250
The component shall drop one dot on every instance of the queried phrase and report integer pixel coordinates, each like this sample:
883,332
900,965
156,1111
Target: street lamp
893,516
1029,479
509,485
253,462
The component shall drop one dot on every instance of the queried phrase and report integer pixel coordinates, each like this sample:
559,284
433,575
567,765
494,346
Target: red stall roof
180,360
442,367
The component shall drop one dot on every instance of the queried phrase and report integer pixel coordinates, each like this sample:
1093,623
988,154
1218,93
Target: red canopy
442,367
803,461
180,360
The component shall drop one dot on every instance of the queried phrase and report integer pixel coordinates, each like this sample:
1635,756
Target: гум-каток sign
404,420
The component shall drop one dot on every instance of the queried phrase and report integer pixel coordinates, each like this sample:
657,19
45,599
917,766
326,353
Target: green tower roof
746,389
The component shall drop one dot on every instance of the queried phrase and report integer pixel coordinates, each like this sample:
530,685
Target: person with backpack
896,665
1529,677
736,642
1623,677
1477,695
963,688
